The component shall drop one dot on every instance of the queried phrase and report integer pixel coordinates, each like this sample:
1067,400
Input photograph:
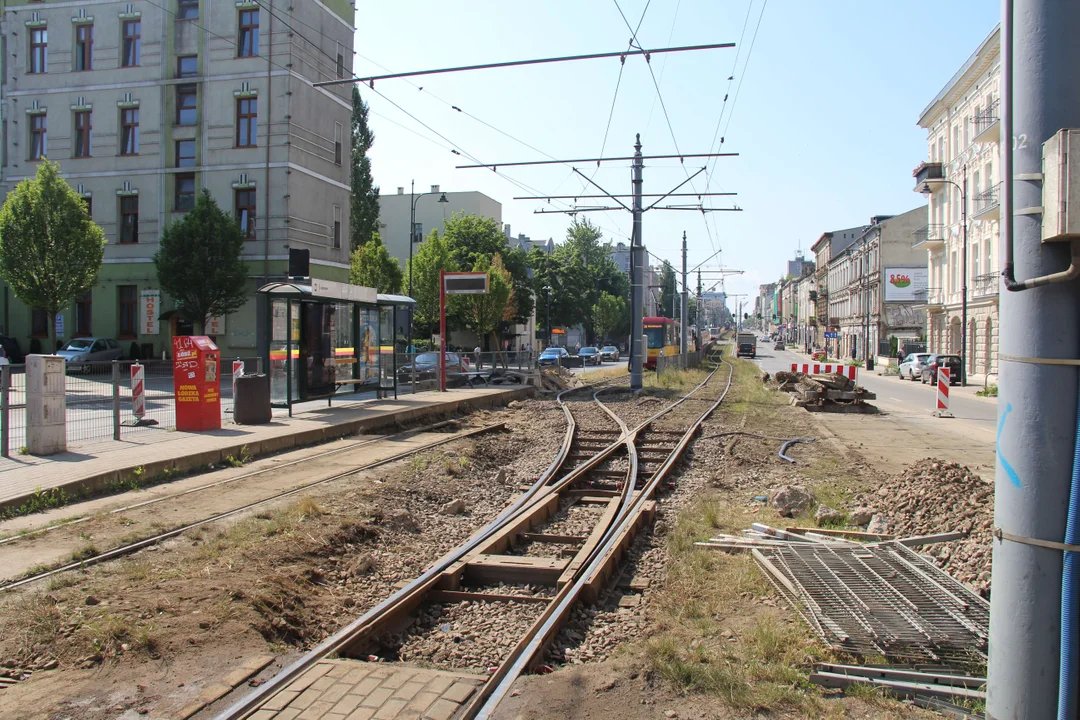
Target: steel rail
422,584
544,629
140,544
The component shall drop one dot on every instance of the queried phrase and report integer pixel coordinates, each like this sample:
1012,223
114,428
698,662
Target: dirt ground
707,637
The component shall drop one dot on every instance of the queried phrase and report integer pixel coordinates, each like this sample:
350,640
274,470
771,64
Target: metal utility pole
637,294
1037,407
685,307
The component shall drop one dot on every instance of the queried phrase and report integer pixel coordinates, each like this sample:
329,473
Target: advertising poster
906,284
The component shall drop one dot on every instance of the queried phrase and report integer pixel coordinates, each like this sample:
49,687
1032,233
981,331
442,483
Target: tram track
530,561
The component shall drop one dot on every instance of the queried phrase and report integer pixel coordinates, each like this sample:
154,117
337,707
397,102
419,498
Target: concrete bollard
46,414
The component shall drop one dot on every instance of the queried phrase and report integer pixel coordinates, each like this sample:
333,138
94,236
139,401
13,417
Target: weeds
990,390
240,460
40,501
85,553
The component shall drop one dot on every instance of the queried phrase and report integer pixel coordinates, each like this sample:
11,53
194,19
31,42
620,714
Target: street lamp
927,191
547,314
412,237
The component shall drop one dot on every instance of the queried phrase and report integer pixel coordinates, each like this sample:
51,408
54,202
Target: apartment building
144,104
832,242
432,209
875,286
961,178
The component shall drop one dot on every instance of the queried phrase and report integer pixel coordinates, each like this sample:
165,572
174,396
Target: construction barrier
847,371
138,391
943,381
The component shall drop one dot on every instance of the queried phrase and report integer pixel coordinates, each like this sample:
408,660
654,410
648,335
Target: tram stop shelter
326,338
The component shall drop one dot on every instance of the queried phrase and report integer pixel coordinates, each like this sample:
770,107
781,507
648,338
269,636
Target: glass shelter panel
344,345
368,345
386,347
279,338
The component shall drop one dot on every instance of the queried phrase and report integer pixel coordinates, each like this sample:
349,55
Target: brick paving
355,690
99,464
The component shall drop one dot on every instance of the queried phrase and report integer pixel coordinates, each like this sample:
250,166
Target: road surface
905,430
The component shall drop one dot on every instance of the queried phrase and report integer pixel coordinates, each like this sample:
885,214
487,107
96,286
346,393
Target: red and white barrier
237,371
138,392
943,382
818,368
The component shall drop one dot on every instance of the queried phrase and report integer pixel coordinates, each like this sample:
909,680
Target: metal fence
98,400
682,361
417,372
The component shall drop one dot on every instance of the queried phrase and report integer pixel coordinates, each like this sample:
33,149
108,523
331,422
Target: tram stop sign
455,283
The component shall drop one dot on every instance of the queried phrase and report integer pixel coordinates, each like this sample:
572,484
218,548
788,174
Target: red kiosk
196,363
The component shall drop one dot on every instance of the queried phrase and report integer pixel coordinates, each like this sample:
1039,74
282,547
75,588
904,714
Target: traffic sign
829,335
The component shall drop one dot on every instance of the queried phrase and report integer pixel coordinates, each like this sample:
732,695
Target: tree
474,237
435,254
487,313
372,265
610,317
198,262
364,201
667,292
50,249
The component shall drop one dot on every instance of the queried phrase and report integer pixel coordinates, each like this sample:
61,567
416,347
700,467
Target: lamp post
927,191
547,314
413,197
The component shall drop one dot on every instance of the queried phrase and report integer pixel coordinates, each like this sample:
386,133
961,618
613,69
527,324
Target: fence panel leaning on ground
682,361
102,400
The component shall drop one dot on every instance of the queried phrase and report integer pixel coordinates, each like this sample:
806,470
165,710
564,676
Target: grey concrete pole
1037,402
683,310
637,249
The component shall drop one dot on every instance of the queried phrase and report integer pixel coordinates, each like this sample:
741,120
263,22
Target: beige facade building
431,214
144,104
963,137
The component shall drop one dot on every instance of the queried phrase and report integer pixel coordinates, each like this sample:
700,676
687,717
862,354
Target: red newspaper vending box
196,364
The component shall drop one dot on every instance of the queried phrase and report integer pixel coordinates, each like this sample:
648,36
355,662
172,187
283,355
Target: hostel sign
149,308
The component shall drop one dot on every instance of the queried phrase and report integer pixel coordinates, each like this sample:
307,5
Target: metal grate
880,600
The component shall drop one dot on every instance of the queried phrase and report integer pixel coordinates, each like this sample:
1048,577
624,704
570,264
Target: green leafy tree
610,317
436,253
372,265
668,302
50,249
198,262
487,313
364,202
474,237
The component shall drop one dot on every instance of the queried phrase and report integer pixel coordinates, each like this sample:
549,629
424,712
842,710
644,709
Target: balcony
985,285
927,172
986,204
929,237
988,124
930,299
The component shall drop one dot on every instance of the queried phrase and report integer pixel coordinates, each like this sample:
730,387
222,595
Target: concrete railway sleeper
557,544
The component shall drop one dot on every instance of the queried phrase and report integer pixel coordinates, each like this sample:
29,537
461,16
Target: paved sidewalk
150,455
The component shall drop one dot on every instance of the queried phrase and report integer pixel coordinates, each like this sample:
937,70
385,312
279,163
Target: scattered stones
454,507
825,514
362,565
91,600
861,515
878,525
789,500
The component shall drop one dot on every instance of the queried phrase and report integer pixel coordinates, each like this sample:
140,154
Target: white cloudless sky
822,111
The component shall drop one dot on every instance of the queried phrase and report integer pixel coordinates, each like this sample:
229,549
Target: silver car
89,350
609,352
913,365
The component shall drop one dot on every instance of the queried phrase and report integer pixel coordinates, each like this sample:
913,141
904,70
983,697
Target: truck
746,345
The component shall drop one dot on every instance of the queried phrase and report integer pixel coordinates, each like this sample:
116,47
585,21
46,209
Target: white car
913,365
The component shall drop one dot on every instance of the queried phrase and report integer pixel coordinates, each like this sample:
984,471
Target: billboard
906,284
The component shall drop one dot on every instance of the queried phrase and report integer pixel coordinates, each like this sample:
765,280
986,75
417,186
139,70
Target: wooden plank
449,596
543,538
514,569
593,496
591,542
843,533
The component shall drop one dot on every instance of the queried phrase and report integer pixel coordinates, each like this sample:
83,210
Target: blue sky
824,120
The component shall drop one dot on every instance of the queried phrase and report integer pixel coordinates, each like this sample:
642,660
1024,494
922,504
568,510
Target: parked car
79,352
913,365
427,368
552,356
12,351
589,356
779,346
609,352
929,373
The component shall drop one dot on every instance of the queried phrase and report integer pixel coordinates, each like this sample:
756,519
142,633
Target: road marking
895,398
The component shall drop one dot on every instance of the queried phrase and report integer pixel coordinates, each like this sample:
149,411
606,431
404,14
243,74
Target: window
83,133
185,192
248,41
127,297
84,47
187,104
247,113
185,153
38,136
337,226
340,65
129,131
39,50
83,309
132,49
129,219
187,66
337,143
39,323
187,9
245,212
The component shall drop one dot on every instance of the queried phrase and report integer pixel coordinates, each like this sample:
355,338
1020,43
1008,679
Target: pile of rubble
556,378
932,496
823,392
